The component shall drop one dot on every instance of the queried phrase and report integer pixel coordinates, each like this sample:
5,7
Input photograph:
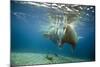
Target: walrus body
70,37
61,36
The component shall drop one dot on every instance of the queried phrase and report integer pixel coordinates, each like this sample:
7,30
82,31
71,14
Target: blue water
26,35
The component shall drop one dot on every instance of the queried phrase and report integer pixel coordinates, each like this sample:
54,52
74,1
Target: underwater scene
51,33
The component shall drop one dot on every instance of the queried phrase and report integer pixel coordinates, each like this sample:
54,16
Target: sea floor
36,58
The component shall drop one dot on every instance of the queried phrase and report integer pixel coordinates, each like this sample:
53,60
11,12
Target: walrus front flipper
70,37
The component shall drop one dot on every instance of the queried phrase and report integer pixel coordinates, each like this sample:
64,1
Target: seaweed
50,58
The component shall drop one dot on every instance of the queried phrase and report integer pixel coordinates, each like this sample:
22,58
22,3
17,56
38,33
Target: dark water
26,35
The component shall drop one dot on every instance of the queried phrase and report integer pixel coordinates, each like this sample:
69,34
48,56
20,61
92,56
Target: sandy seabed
18,59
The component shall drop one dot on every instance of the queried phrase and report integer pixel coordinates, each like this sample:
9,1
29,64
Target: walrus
69,36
